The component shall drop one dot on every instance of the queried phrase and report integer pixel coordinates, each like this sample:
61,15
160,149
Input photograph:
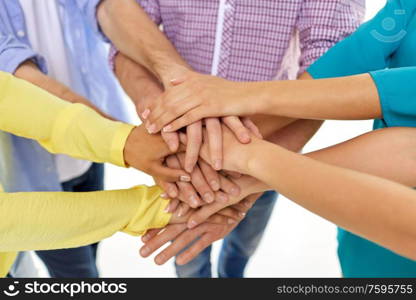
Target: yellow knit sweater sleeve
52,220
60,126
55,220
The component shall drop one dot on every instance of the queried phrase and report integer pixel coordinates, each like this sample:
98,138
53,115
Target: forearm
344,98
363,204
297,134
49,220
131,30
59,126
30,72
145,86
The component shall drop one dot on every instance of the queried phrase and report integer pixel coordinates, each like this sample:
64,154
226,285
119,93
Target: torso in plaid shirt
246,40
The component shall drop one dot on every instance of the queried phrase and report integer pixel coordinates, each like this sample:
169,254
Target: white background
297,243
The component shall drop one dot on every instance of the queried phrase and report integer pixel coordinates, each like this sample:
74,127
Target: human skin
136,36
31,73
194,97
142,151
346,184
142,87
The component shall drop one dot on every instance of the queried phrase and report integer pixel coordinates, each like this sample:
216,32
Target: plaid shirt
252,40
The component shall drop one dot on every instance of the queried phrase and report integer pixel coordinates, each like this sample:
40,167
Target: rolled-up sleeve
397,92
13,53
323,23
89,10
370,47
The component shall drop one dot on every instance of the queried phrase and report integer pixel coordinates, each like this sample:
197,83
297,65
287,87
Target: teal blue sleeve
370,47
397,92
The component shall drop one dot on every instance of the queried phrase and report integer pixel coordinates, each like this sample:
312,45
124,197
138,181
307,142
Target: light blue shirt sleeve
397,92
89,10
370,47
13,53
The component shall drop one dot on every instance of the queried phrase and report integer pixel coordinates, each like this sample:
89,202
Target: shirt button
21,33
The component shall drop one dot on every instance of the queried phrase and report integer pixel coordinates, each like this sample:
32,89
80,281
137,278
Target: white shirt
43,22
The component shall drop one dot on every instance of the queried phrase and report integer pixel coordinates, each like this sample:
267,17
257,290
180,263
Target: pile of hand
197,165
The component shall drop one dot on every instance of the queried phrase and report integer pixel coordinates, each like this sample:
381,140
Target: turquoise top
385,47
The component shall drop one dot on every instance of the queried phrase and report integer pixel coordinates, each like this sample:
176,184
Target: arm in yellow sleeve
54,220
59,126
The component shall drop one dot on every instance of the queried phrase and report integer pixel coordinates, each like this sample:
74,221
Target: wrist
166,71
266,98
131,147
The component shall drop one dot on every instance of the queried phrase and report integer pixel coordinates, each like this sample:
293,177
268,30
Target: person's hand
196,97
237,156
205,187
147,153
241,128
216,228
251,189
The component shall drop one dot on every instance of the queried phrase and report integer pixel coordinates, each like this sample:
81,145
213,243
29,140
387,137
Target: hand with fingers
195,239
208,223
197,97
206,186
147,153
241,127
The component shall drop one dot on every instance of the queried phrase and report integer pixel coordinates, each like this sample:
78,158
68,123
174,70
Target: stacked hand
205,201
194,97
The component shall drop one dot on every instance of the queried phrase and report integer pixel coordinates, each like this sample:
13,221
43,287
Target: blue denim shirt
24,165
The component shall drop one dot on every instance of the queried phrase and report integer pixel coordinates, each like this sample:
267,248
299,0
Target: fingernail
144,251
192,224
145,238
246,204
242,214
208,197
194,201
218,165
172,192
167,128
234,192
159,259
167,209
185,178
164,195
245,137
231,221
179,213
189,169
215,185
151,128
146,114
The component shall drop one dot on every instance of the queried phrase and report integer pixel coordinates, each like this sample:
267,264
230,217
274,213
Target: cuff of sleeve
12,60
151,213
382,89
92,17
118,144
